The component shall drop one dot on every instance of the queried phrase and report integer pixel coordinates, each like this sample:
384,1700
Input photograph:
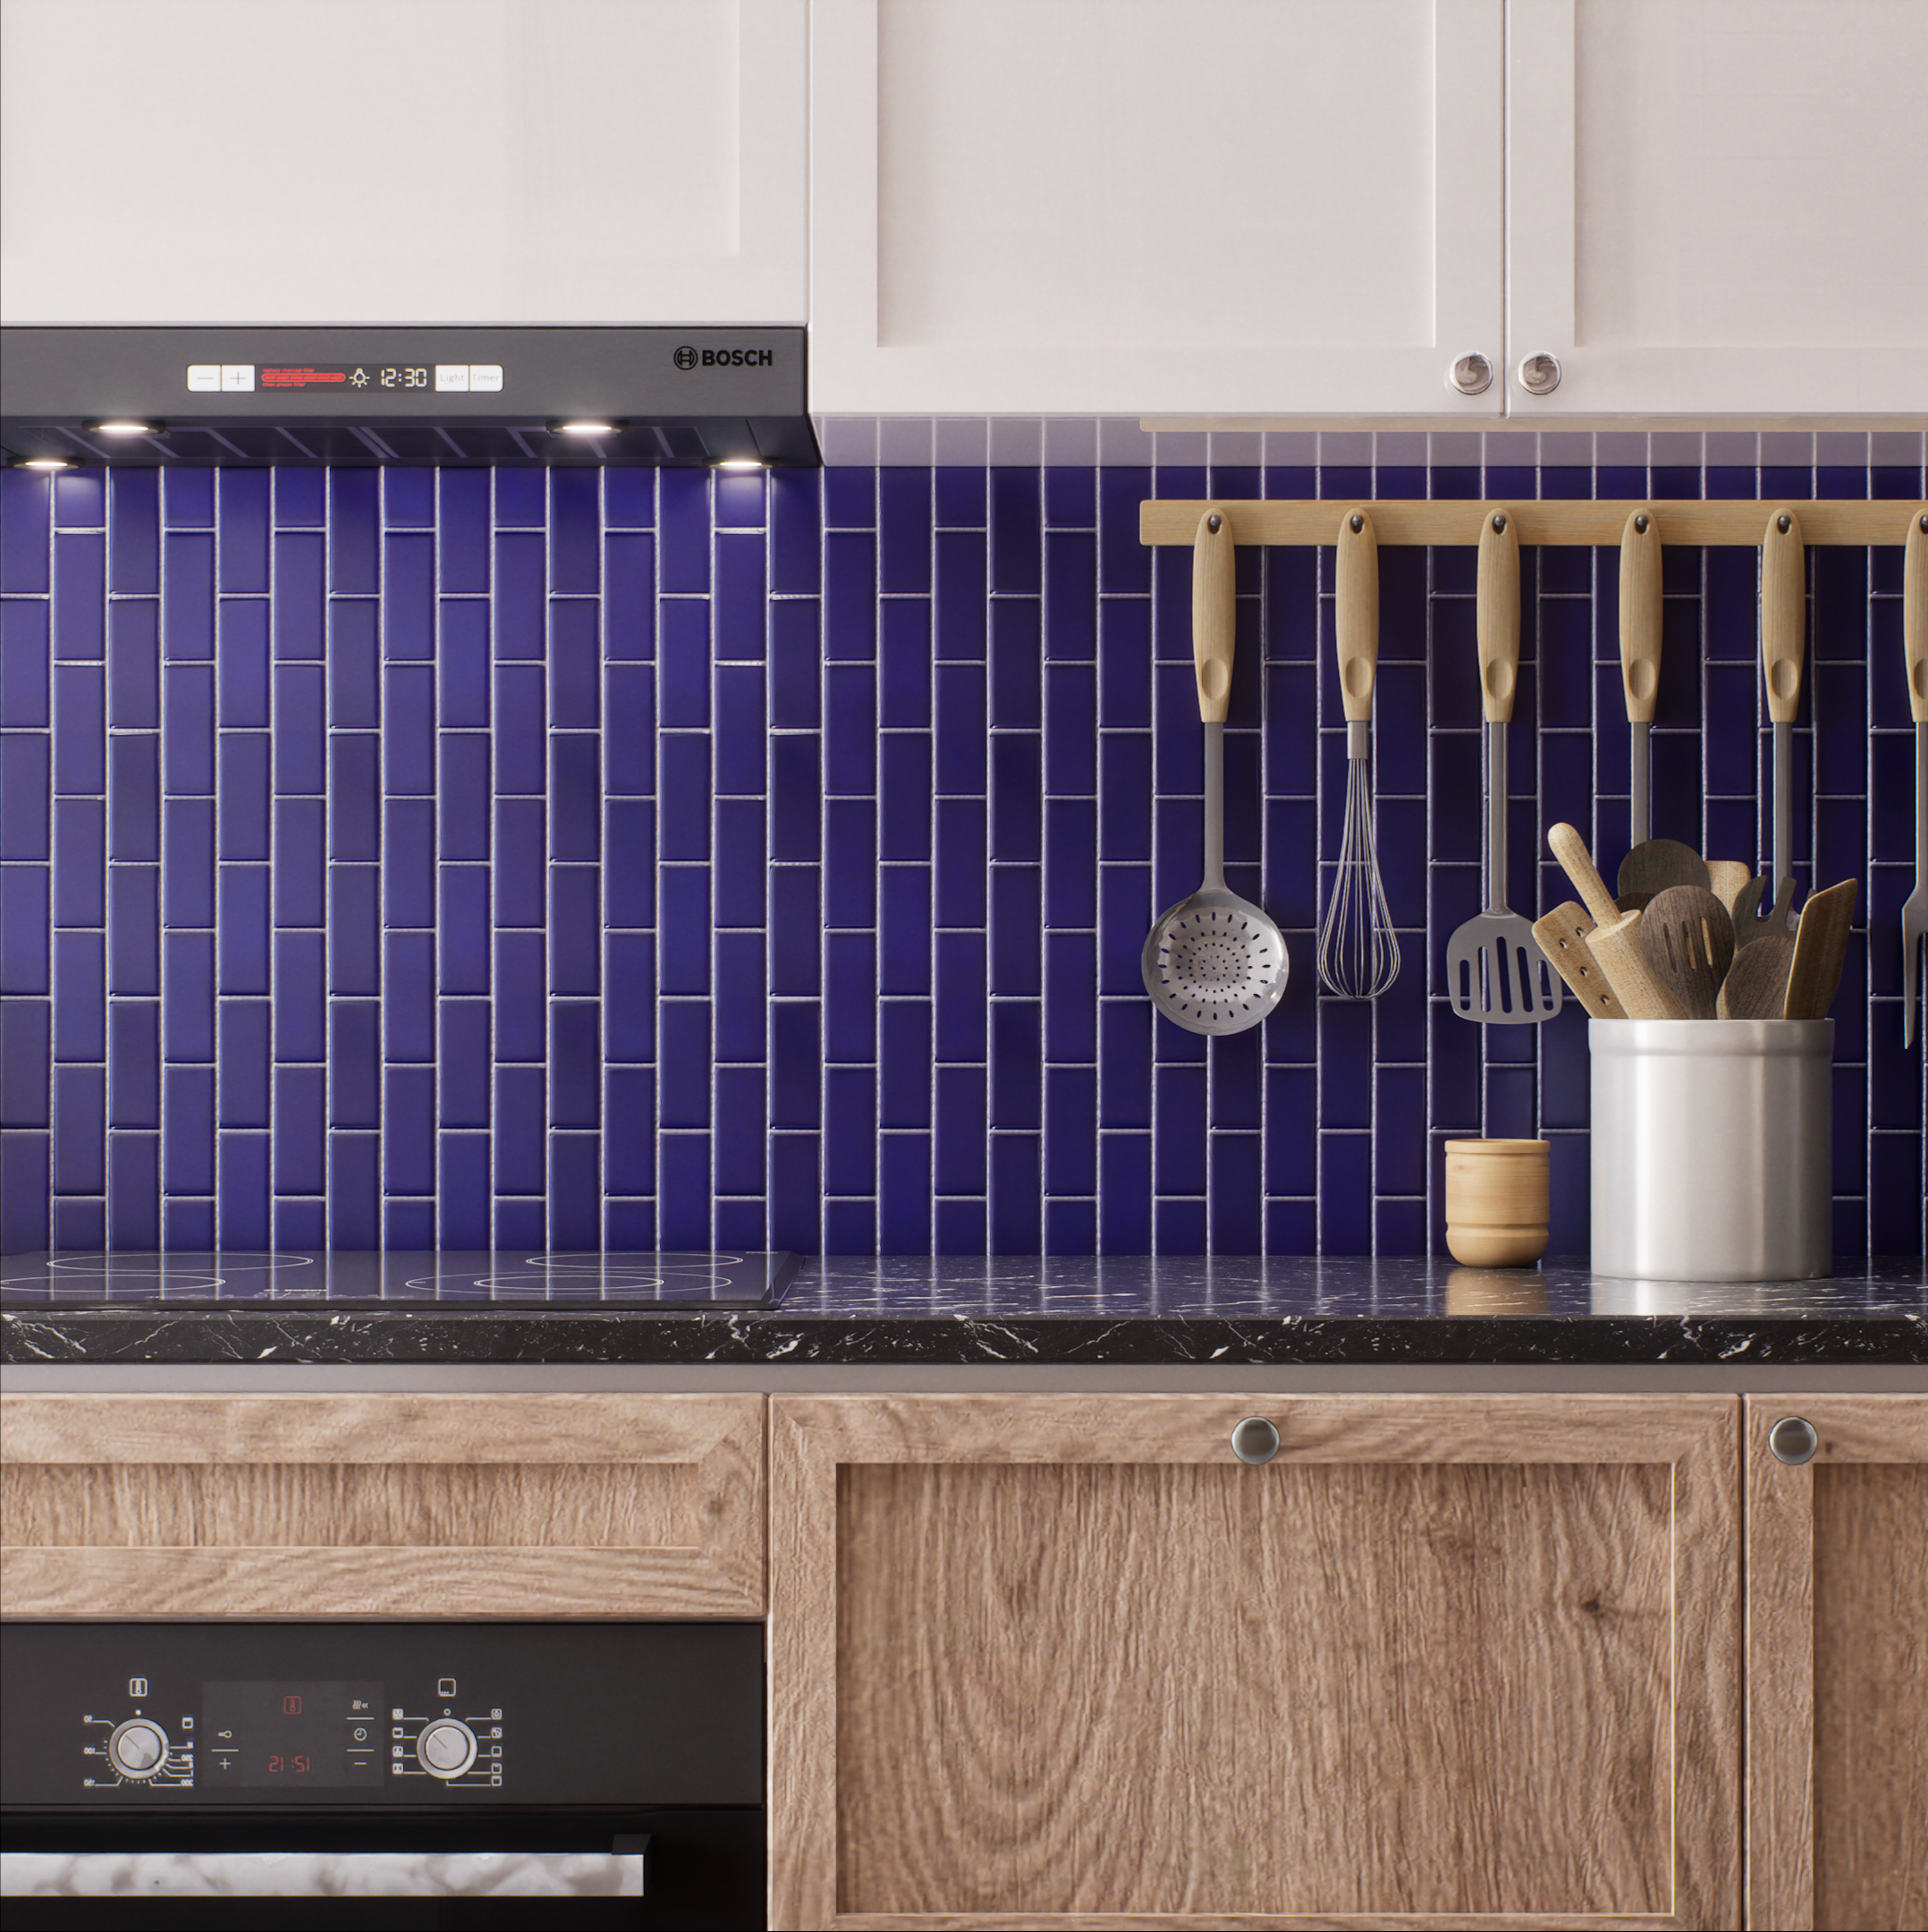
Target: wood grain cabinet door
1067,1661
1838,1663
381,1506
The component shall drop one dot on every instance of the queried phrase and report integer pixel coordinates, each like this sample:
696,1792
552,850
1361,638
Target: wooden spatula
1725,878
1563,937
1820,945
1657,863
1756,983
1689,942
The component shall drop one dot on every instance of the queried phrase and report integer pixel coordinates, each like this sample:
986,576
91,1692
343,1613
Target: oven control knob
446,1748
138,1748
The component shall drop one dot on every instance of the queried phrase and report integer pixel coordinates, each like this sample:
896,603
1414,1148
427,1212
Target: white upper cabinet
1188,208
397,161
1715,206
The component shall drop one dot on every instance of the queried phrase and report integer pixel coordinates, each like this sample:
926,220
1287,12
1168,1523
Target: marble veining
1011,1309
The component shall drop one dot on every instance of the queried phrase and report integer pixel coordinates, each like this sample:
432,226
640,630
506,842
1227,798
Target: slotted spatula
1495,971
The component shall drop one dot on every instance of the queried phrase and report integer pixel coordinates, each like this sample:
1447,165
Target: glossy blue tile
904,1193
684,1064
575,529
1125,1193
629,731
300,996
188,730
960,617
1017,693
1071,976
960,497
79,729
133,929
849,498
575,942
25,1065
961,995
409,996
354,930
684,963
575,1063
849,997
961,728
133,1061
741,1003
850,595
684,673
575,796
188,596
23,930
80,864
683,523
904,919
188,1145
1124,918
244,928
740,597
462,1059
518,607
80,1015
630,1019
796,521
79,601
521,1145
1015,919
629,604
629,868
243,1059
905,1059
960,1143
849,1129
960,862
80,1165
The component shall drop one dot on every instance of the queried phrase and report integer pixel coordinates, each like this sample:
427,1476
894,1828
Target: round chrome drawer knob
1255,1440
446,1748
1471,375
1539,375
1793,1440
138,1748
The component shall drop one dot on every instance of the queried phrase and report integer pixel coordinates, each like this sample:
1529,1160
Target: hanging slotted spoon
1495,971
1214,963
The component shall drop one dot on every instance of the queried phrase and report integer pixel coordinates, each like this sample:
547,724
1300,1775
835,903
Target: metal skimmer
1216,963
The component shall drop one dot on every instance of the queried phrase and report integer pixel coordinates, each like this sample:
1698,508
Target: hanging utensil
1783,644
1915,645
1216,963
1358,949
1495,971
1820,947
1689,945
1640,657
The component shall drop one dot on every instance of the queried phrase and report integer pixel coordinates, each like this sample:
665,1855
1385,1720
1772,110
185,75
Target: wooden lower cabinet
381,1506
1838,1665
1067,1661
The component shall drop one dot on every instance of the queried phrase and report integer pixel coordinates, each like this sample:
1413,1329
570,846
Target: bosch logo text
687,358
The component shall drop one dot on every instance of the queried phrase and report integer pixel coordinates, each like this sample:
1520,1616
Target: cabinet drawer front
1837,1667
1437,1661
386,1505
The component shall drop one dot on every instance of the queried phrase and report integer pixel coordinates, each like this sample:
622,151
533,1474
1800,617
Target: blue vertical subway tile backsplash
667,858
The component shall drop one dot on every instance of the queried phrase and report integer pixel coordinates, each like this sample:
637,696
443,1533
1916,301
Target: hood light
585,426
42,462
125,425
742,462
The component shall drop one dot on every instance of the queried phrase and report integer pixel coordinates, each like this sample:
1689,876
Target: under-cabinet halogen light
42,462
584,426
125,425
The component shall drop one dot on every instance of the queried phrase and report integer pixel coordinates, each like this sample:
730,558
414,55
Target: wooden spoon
1563,937
1756,983
1577,863
1657,863
1688,940
1820,947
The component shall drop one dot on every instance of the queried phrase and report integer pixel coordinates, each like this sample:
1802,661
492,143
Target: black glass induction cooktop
480,1278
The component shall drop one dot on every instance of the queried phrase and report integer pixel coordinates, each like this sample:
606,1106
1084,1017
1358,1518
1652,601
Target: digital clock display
371,377
299,1732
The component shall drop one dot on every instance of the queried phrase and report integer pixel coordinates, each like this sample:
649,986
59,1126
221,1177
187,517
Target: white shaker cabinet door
1189,208
1715,206
404,161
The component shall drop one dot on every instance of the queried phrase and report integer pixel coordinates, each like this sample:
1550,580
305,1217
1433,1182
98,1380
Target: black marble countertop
1007,1309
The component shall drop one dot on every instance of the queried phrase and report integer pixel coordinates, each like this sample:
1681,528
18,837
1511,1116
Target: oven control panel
291,1735
418,1714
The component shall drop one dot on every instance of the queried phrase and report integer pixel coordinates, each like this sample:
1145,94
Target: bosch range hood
410,395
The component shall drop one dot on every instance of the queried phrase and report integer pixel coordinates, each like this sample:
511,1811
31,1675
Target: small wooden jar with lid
1497,1194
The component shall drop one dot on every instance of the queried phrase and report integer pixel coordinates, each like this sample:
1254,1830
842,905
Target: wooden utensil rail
1686,521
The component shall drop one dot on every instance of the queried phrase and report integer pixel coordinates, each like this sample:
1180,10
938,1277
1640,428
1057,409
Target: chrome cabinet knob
1255,1440
446,1748
1471,375
1539,375
138,1748
1793,1440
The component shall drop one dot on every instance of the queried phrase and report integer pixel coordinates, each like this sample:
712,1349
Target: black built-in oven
637,1742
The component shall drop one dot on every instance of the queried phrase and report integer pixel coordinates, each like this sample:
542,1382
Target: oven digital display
294,1732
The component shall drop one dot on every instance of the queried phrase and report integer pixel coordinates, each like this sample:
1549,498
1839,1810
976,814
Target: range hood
525,397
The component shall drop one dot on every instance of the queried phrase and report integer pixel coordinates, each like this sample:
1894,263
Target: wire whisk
1358,949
